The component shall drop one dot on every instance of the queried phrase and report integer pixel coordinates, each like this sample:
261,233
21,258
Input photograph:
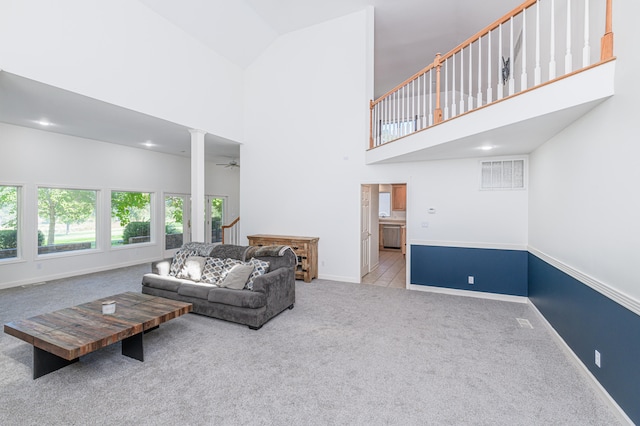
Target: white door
365,230
215,217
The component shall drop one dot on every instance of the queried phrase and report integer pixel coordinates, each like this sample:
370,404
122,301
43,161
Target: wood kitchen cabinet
399,197
305,248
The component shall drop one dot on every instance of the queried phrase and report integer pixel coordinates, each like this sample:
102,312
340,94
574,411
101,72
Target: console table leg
45,362
132,347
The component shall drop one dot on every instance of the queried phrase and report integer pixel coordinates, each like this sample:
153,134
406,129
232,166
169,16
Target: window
130,218
384,206
507,174
66,220
9,222
215,211
175,212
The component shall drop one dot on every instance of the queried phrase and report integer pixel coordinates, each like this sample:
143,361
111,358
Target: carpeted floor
346,354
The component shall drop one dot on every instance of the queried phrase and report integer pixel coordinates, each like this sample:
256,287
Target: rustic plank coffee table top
72,332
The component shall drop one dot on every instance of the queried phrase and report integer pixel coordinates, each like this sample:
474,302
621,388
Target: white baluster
523,76
446,89
489,88
537,72
414,126
552,46
568,58
479,104
453,89
500,87
512,62
425,116
430,97
462,81
470,99
586,50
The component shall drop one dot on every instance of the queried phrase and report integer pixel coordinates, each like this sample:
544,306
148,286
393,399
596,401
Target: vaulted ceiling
408,34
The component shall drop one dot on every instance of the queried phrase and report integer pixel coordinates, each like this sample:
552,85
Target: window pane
217,207
130,217
384,209
66,220
8,222
173,226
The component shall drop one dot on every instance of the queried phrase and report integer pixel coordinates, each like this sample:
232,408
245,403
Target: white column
197,185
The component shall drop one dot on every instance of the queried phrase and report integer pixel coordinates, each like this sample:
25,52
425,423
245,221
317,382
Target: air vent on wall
503,174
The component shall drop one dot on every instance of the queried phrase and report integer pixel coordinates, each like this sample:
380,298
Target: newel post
606,43
370,124
437,113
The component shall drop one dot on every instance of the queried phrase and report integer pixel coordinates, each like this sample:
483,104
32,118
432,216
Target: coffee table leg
132,347
45,362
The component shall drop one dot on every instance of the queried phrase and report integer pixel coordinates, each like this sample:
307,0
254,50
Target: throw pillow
178,261
260,267
213,269
192,268
237,277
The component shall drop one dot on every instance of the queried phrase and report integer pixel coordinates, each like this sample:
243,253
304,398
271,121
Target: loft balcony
504,91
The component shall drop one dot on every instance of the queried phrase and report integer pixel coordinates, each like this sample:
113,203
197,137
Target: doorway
177,230
383,234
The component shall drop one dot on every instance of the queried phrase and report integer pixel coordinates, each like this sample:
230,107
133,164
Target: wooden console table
306,249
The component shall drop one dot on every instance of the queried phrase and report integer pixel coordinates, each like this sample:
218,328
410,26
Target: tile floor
391,271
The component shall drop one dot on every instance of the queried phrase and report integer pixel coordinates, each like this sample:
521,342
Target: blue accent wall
587,320
494,271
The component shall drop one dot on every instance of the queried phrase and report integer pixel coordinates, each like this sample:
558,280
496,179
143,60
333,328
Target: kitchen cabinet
399,197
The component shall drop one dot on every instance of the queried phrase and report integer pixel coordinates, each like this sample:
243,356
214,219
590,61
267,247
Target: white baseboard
566,348
52,277
467,293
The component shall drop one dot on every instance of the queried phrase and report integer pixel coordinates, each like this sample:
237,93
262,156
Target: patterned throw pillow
212,271
178,261
192,269
260,267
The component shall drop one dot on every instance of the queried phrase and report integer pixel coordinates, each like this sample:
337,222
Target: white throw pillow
192,268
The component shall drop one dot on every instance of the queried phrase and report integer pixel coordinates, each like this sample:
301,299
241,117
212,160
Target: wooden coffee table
59,338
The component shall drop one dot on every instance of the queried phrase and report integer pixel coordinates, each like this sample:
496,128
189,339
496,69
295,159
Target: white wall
32,158
584,182
121,52
303,159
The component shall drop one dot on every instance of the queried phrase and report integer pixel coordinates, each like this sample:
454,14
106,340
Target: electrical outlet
471,279
597,358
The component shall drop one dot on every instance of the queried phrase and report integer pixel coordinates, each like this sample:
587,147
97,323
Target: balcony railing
534,44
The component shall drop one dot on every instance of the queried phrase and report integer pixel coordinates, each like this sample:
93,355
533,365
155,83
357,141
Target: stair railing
502,60
231,232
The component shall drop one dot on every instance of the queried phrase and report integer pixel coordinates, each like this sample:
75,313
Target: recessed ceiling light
148,144
44,123
486,148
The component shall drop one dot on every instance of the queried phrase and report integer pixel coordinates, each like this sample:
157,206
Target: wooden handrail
606,53
231,225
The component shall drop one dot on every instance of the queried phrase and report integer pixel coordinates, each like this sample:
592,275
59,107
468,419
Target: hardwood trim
606,43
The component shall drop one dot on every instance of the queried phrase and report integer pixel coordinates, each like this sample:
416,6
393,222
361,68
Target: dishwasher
391,236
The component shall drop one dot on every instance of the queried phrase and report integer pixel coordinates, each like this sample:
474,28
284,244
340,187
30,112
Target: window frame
98,222
20,217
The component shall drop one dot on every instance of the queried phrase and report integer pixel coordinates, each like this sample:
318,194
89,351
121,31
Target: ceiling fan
231,164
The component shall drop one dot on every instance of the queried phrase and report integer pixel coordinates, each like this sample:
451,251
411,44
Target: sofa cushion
199,290
236,277
239,298
178,261
213,269
192,269
162,282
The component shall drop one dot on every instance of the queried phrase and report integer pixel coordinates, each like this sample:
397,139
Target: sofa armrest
161,267
279,286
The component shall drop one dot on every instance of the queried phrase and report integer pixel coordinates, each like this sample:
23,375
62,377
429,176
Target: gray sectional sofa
265,296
